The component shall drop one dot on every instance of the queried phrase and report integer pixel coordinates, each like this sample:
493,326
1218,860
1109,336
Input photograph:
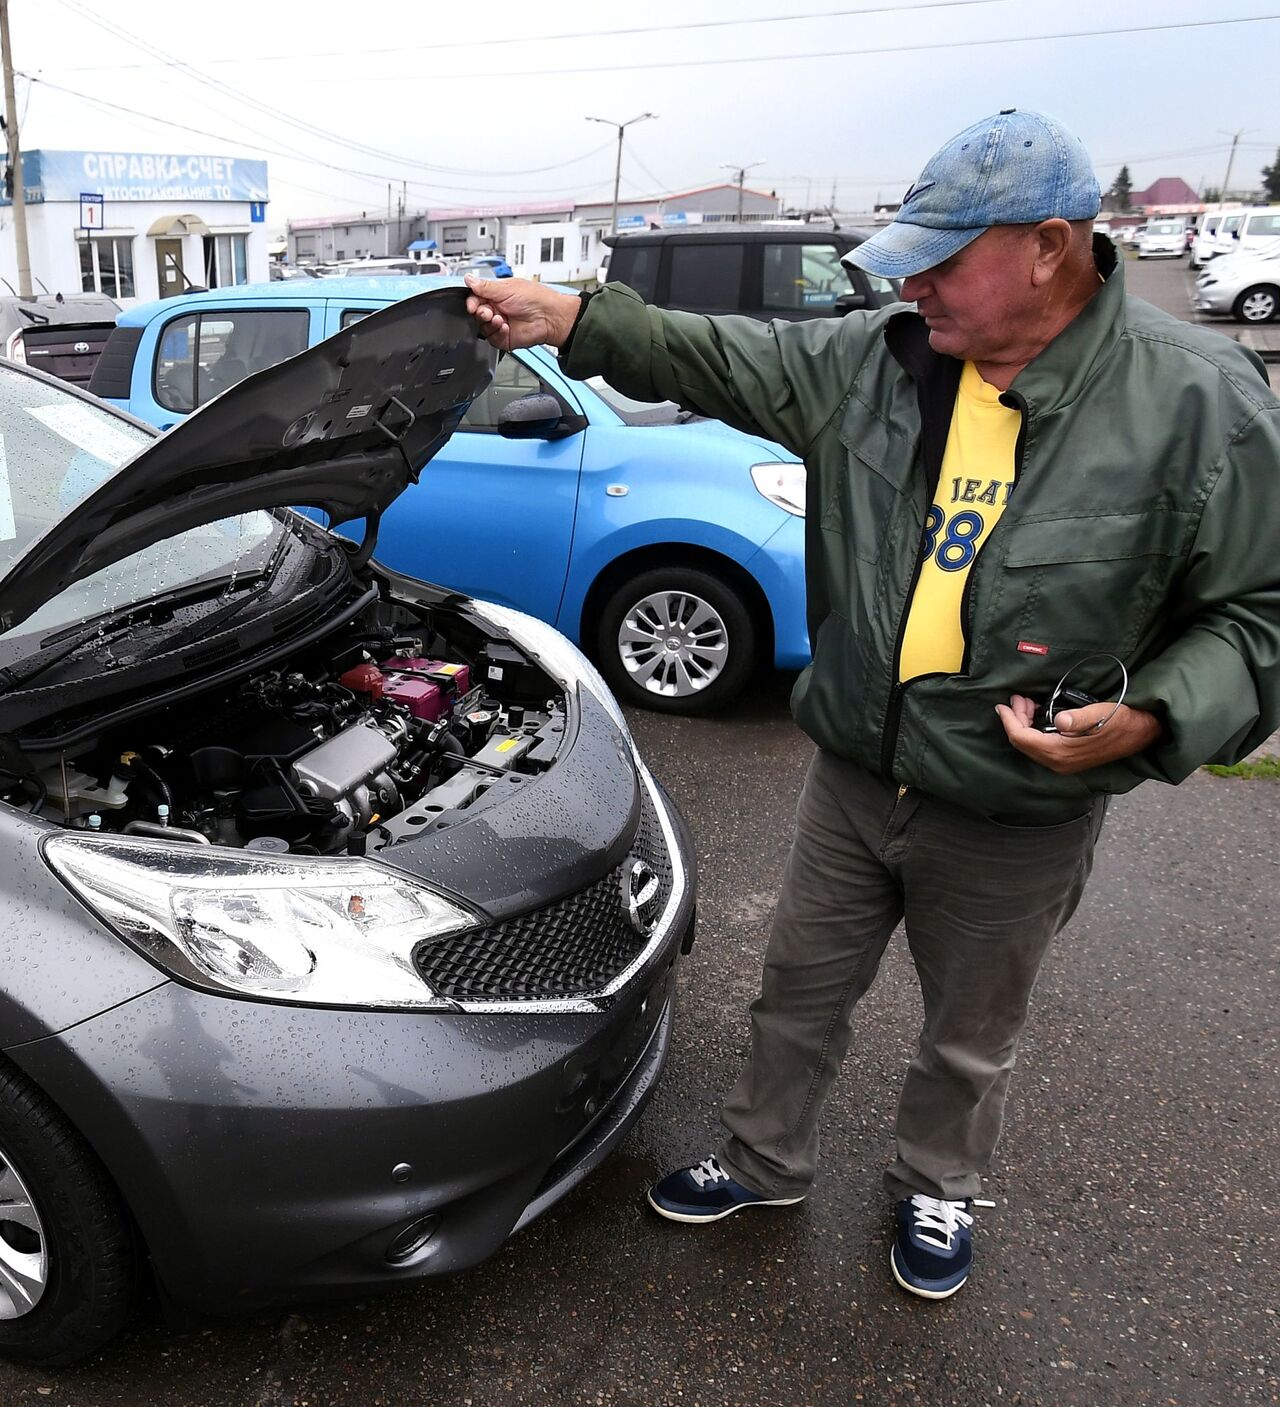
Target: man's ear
1053,244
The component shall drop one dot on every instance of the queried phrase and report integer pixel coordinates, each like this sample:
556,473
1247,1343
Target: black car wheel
676,639
1257,304
68,1267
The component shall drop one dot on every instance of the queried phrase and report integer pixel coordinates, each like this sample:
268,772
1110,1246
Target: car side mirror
850,302
535,417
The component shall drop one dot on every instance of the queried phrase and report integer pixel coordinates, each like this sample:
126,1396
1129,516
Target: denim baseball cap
1016,168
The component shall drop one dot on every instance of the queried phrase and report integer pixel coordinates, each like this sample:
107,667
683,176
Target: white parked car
1243,286
1163,239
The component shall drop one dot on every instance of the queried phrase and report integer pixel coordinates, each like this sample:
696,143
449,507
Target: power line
816,54
295,57
381,177
310,129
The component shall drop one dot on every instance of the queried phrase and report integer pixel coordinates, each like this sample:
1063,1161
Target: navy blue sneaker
706,1193
933,1249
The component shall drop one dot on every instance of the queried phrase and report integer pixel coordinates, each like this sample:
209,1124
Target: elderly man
1028,475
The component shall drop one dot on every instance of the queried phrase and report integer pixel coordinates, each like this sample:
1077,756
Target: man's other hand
1079,743
516,312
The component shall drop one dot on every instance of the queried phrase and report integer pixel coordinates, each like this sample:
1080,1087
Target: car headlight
314,932
559,656
783,484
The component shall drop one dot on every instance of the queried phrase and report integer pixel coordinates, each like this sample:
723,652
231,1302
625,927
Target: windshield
1165,227
54,449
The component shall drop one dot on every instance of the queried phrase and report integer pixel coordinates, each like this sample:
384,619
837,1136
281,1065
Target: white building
138,226
563,252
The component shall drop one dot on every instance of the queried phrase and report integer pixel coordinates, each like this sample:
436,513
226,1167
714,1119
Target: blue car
671,548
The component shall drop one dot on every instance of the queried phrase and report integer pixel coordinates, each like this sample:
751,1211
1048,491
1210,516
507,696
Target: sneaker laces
932,1214
708,1171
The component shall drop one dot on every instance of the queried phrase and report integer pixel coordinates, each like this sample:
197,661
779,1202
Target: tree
1211,195
1121,190
1271,180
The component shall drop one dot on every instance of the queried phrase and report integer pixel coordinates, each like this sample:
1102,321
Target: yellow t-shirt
973,488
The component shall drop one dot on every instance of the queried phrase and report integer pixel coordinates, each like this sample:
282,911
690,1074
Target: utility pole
12,137
617,170
1231,158
741,173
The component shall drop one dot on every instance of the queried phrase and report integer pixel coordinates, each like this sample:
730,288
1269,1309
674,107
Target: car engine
384,737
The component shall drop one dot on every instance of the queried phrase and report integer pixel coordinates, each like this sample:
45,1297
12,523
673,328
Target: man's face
980,303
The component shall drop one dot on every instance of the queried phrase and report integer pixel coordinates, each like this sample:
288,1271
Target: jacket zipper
966,596
893,716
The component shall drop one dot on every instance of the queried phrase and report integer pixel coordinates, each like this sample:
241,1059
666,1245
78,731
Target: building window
226,260
519,253
106,265
552,250
586,247
203,354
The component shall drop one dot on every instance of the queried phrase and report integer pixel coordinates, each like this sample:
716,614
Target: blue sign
631,222
124,176
257,212
675,217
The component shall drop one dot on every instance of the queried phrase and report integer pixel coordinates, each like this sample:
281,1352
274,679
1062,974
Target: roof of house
1168,190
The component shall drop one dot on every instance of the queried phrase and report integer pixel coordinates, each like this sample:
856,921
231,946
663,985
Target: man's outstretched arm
780,380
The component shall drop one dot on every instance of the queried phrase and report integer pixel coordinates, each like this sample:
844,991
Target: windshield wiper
114,622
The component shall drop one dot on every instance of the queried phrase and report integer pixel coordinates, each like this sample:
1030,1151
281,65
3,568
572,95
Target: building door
169,274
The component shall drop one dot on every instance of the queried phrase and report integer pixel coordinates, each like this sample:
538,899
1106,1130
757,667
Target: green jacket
1144,523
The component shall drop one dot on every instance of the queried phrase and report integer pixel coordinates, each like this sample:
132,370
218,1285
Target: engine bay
386,731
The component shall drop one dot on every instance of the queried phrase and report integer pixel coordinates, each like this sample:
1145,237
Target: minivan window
637,267
706,276
1263,225
803,276
203,354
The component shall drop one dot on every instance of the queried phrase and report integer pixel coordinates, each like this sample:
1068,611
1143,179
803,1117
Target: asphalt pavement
1131,1257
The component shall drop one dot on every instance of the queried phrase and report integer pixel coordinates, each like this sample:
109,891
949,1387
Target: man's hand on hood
516,312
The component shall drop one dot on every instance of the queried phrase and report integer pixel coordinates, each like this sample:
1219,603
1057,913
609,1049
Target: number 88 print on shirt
973,488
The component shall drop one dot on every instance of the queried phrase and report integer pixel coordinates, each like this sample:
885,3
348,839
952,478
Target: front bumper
1215,300
272,1154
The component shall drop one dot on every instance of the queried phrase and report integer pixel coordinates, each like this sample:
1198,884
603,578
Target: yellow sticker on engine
449,669
507,746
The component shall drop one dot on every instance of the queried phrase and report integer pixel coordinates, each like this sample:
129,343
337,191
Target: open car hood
345,426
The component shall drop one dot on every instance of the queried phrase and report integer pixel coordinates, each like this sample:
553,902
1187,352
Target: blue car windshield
54,449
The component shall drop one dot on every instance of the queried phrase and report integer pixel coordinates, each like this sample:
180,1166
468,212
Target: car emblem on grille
81,347
640,894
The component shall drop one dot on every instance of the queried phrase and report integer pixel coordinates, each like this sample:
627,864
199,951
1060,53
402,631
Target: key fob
1068,698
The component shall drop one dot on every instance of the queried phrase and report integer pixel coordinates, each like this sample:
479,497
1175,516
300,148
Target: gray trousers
981,901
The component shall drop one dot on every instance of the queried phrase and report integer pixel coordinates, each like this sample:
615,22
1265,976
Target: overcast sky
488,102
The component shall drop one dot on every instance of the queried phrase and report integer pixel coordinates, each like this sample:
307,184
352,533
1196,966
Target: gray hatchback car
343,916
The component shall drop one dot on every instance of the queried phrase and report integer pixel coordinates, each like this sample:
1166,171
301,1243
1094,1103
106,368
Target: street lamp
741,173
617,170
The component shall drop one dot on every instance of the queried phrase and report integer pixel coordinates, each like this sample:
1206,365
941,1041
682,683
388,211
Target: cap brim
900,250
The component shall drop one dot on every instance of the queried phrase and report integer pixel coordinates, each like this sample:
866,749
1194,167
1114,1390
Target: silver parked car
1241,286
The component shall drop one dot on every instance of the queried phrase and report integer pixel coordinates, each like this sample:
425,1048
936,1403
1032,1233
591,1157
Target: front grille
570,948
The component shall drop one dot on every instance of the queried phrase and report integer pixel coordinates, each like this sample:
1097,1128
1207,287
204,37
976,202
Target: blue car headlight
782,484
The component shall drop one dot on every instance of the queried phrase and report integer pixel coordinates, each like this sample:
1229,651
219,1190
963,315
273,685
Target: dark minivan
791,272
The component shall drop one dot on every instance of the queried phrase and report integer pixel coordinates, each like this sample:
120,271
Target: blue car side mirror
535,417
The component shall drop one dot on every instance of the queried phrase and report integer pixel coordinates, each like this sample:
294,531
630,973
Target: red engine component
364,679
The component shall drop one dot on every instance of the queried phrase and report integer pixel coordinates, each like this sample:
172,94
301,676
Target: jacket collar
1058,374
